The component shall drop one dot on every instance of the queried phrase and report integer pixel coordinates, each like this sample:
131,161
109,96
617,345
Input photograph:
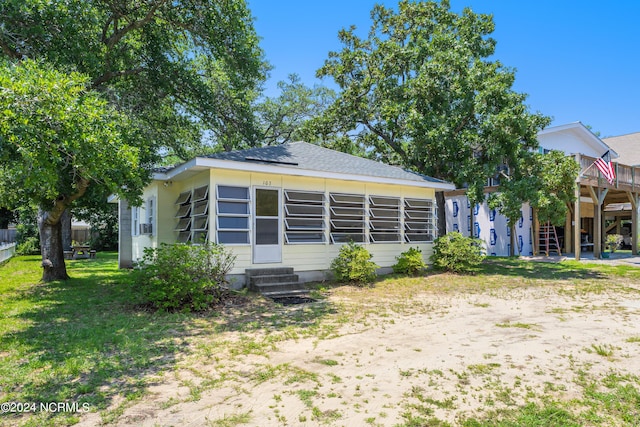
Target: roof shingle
302,155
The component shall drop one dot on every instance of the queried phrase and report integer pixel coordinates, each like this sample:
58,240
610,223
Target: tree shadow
91,339
544,270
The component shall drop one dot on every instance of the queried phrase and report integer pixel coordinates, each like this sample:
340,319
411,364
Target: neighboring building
595,195
290,205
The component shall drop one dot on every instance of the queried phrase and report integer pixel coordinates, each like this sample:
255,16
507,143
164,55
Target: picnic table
82,251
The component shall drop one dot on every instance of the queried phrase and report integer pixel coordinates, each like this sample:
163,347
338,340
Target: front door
266,226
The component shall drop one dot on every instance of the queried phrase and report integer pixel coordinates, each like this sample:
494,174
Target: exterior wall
490,226
165,210
125,243
311,261
569,142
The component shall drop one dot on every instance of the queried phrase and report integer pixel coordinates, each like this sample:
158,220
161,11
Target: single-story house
588,221
291,205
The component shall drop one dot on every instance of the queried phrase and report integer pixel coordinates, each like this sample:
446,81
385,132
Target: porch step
275,282
273,278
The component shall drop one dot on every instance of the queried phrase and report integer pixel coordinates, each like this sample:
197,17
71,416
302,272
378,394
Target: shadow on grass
514,267
90,339
81,340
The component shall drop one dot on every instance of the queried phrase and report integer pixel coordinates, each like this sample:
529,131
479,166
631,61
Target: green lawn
78,341
90,340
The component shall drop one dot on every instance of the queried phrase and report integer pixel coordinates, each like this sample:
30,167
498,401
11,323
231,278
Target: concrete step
298,293
273,278
250,272
280,288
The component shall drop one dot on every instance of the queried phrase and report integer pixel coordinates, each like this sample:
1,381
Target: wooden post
536,232
576,222
567,230
633,198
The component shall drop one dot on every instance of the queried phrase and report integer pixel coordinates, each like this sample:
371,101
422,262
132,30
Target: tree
60,143
545,181
283,118
186,71
421,91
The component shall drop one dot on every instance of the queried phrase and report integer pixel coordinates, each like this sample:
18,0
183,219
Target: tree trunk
442,219
65,221
512,249
53,264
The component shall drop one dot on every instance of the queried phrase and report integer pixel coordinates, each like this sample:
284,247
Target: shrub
29,246
184,277
354,264
613,241
456,253
410,262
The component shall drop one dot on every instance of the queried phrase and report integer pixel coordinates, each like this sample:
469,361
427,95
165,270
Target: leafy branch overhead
421,90
180,67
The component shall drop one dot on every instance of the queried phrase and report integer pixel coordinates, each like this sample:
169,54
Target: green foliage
62,140
353,264
284,119
409,262
184,277
545,181
613,241
456,253
29,246
422,90
175,68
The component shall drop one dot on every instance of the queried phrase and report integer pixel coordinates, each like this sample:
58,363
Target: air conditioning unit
146,228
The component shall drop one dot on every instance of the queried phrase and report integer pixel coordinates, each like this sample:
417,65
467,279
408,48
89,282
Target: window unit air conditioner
146,228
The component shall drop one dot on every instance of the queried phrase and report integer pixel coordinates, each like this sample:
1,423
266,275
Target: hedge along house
291,205
585,227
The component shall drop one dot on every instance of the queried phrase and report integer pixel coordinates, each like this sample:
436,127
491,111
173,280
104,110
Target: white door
267,245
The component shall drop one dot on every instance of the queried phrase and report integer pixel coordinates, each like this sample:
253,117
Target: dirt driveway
436,356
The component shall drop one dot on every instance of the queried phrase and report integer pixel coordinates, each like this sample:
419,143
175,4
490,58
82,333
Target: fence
7,251
8,235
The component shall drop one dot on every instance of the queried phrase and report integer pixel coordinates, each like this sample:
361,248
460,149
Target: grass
90,340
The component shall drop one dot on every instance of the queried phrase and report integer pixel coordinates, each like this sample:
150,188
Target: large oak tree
60,142
423,90
181,74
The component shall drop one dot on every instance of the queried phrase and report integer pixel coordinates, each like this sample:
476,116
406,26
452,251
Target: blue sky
577,60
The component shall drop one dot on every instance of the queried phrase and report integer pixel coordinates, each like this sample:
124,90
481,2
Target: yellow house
290,205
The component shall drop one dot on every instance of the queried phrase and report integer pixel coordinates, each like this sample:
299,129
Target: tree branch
390,141
119,34
7,50
109,75
63,202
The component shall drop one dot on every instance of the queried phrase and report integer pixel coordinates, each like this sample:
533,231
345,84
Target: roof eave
284,170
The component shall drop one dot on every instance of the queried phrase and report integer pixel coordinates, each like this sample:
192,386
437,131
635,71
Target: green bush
409,262
354,265
184,277
455,253
29,246
613,241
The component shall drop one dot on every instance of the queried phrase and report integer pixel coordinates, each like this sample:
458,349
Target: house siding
315,259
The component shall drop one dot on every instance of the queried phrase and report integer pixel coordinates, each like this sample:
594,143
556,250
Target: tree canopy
60,141
186,70
285,118
422,90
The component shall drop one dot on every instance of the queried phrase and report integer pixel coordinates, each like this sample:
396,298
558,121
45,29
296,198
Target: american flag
605,167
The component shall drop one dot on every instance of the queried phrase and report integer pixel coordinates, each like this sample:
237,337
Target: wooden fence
7,235
7,251
82,235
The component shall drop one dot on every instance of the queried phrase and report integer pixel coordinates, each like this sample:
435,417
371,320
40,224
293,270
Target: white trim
205,162
579,127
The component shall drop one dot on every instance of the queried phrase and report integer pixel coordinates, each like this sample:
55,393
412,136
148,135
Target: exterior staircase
275,282
548,239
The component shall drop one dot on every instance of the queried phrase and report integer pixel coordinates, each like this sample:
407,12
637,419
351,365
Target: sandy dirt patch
452,356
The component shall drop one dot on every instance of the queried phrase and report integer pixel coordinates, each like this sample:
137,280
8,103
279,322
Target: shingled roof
627,146
302,155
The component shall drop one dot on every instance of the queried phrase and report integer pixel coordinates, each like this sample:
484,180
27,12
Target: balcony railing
627,177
